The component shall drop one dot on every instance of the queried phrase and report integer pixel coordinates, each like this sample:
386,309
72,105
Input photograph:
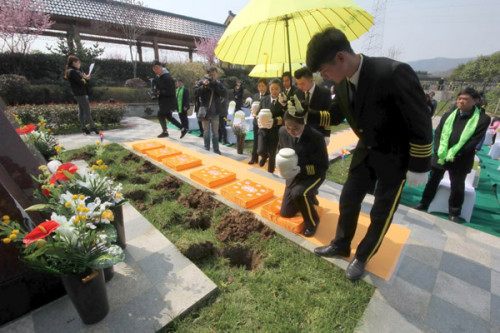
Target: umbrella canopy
278,31
273,70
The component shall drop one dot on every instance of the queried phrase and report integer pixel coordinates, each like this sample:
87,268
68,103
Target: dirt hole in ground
140,205
199,221
168,183
148,167
137,195
240,255
131,157
237,226
199,251
84,155
201,200
120,175
139,180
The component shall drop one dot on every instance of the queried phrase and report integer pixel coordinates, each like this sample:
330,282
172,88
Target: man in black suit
262,87
166,99
268,133
288,89
385,105
315,100
455,142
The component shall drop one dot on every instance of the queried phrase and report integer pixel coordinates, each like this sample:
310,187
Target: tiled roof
151,19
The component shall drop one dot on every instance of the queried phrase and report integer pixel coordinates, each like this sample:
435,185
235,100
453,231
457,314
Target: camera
208,78
153,93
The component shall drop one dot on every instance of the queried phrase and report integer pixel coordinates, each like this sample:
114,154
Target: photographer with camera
167,99
212,94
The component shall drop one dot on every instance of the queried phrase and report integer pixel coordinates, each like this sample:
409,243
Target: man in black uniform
455,141
385,105
288,88
315,100
166,99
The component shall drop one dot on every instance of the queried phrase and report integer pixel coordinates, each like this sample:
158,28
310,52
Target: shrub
60,115
13,88
135,83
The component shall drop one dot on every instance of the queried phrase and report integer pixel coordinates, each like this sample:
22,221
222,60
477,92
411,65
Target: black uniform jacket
166,86
390,114
318,113
311,150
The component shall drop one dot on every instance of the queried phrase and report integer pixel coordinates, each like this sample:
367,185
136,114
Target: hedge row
61,115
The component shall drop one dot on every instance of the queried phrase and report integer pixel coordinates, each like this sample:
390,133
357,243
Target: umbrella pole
288,45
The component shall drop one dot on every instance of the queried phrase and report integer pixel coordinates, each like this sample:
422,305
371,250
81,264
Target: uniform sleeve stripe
420,155
420,146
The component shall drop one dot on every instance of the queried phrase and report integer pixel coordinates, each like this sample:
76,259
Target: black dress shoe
453,218
315,201
95,131
263,161
217,152
309,232
85,131
163,135
252,161
331,251
183,132
421,206
355,270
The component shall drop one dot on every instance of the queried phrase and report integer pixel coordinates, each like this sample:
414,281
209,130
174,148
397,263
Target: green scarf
180,94
448,155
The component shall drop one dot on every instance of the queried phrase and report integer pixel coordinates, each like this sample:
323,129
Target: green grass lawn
291,290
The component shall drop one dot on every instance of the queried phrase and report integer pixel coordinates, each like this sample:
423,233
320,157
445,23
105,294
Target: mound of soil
237,226
148,167
168,183
120,176
131,157
140,205
139,180
84,155
239,255
200,251
201,200
138,195
199,221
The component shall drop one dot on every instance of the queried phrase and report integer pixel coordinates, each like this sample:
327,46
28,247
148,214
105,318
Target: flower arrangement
39,137
239,130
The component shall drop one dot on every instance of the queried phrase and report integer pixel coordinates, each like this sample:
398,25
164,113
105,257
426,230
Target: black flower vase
120,227
109,272
87,292
240,143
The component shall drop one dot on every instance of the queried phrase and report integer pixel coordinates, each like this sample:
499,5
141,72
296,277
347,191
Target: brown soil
168,183
138,195
139,180
84,155
140,205
200,251
120,176
201,200
148,167
237,226
199,221
239,255
131,157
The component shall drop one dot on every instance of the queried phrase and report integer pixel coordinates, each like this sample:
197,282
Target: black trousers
183,116
222,129
163,115
255,155
457,182
268,146
382,172
299,197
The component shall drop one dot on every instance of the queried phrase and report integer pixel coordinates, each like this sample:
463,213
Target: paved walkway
448,276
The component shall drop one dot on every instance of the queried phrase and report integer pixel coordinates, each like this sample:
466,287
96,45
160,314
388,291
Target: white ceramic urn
286,160
264,116
255,108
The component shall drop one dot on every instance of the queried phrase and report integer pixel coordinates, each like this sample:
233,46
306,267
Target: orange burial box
271,211
145,146
213,176
161,153
181,162
247,193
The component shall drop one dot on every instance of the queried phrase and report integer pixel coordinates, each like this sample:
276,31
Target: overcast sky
417,29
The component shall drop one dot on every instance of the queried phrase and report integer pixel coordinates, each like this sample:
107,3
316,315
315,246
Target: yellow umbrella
273,70
278,31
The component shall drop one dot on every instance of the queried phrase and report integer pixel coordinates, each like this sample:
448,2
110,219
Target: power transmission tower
375,38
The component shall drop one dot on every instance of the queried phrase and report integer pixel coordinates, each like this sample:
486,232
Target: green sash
180,94
446,154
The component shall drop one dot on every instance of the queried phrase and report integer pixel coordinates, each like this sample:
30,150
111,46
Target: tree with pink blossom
205,48
21,22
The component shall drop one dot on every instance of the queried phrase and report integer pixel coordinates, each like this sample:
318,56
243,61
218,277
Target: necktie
352,92
307,98
274,102
295,142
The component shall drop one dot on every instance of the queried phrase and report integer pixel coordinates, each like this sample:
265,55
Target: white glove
416,178
327,140
268,124
282,98
292,109
291,173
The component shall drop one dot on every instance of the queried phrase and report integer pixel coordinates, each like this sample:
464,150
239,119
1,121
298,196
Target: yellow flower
82,197
67,204
74,197
15,115
39,124
98,143
57,148
98,162
49,130
7,240
6,222
83,217
40,243
15,231
93,167
77,219
86,210
108,215
118,195
105,144
13,236
6,217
